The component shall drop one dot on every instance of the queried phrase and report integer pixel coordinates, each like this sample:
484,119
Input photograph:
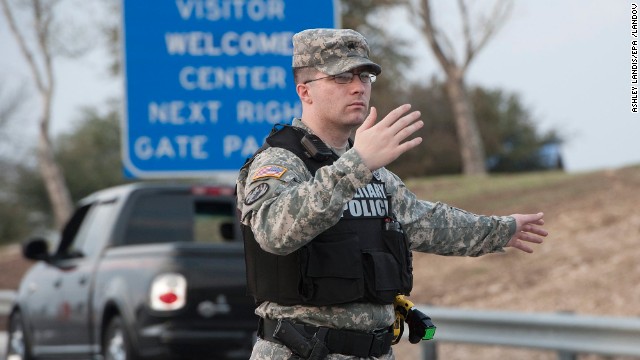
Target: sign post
206,80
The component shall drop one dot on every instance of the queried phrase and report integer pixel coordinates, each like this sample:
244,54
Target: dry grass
588,265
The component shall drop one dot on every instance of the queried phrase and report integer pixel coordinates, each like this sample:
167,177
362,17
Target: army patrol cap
332,51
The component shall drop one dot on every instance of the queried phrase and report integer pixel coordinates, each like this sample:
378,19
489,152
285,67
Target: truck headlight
168,292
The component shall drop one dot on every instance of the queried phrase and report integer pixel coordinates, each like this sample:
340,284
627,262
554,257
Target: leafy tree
505,125
438,152
90,154
13,213
510,137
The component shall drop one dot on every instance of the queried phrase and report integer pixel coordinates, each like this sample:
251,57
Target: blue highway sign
206,80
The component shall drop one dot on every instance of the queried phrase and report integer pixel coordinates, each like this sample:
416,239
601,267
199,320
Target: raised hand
381,143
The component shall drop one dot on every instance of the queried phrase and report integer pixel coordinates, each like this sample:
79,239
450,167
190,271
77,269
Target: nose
356,86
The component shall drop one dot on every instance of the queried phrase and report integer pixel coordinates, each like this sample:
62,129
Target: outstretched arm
528,229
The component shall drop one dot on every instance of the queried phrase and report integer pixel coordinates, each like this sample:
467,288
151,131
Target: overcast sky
569,60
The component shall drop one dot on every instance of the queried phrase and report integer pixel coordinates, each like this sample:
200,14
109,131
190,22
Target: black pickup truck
141,271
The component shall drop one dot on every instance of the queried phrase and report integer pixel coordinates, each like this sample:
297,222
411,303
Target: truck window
213,222
180,217
93,236
70,230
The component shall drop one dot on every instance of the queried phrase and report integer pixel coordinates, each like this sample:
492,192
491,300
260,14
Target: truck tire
116,343
18,347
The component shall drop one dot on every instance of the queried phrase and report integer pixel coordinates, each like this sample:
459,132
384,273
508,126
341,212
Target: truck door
45,302
77,260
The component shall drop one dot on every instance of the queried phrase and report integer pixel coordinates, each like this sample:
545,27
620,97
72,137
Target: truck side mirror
36,249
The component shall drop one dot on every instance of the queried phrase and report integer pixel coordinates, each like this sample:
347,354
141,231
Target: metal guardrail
562,332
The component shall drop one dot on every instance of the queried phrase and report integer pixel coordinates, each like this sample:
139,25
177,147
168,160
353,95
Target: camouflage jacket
294,207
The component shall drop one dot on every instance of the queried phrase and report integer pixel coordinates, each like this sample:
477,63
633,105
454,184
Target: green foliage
90,153
13,213
438,153
13,227
508,131
506,126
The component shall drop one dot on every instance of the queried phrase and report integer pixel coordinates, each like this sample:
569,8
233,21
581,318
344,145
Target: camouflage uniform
294,207
297,207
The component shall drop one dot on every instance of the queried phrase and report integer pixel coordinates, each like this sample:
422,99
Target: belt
345,342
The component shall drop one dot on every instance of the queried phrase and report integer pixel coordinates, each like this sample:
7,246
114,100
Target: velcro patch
273,171
257,192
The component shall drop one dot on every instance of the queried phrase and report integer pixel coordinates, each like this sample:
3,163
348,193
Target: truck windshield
180,217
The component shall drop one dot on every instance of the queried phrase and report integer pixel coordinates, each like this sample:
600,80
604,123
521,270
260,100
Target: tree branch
428,28
499,15
466,28
22,43
43,19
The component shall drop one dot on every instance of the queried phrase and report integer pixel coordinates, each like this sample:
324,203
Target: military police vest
365,257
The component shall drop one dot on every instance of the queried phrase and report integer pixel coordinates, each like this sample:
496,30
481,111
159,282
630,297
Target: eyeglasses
347,77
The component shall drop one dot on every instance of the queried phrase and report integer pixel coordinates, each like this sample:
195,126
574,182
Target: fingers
528,230
535,230
517,241
402,125
522,246
408,145
402,122
525,236
410,127
394,115
369,121
529,221
381,143
537,218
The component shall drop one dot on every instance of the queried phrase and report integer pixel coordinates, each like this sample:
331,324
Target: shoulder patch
273,171
256,193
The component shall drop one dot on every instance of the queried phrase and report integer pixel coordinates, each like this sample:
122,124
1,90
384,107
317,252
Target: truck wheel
116,344
17,345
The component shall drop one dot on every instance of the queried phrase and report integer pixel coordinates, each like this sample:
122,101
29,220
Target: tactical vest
365,257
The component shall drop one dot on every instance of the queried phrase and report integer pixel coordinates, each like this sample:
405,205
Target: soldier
328,230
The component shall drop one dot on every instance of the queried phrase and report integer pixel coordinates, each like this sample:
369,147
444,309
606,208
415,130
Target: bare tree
475,35
39,60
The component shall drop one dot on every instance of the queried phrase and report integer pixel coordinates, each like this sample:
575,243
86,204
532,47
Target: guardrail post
566,355
563,354
429,351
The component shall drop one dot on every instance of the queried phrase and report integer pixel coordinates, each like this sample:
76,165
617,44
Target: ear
304,93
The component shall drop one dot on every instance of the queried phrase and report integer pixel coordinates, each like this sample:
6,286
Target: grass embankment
588,264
